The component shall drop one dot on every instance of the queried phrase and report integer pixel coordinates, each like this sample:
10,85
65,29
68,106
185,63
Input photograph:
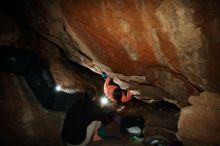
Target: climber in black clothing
83,121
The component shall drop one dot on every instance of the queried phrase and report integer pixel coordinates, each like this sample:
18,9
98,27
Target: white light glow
104,101
58,88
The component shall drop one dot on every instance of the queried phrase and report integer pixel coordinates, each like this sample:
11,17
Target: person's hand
135,92
120,109
104,75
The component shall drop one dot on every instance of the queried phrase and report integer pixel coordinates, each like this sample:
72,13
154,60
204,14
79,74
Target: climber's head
117,94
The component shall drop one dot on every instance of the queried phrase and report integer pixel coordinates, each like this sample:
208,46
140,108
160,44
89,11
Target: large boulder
198,124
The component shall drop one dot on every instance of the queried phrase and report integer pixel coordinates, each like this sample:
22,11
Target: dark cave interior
166,52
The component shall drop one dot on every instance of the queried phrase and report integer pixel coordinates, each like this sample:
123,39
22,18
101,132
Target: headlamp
58,88
104,100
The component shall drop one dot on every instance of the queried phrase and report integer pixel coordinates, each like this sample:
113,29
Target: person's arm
108,89
106,84
127,97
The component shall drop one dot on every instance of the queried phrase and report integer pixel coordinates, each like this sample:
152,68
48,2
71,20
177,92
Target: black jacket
79,117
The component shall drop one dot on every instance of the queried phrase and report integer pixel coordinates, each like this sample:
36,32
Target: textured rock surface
171,43
167,46
199,124
164,50
23,121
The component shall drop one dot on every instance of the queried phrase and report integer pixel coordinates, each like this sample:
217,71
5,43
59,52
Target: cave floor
115,137
122,142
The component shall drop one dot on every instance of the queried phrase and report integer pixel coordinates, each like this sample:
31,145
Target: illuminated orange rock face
173,44
166,49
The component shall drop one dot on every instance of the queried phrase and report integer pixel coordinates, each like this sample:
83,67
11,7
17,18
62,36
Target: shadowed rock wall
23,120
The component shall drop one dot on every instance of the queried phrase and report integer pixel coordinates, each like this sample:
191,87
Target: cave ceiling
166,49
